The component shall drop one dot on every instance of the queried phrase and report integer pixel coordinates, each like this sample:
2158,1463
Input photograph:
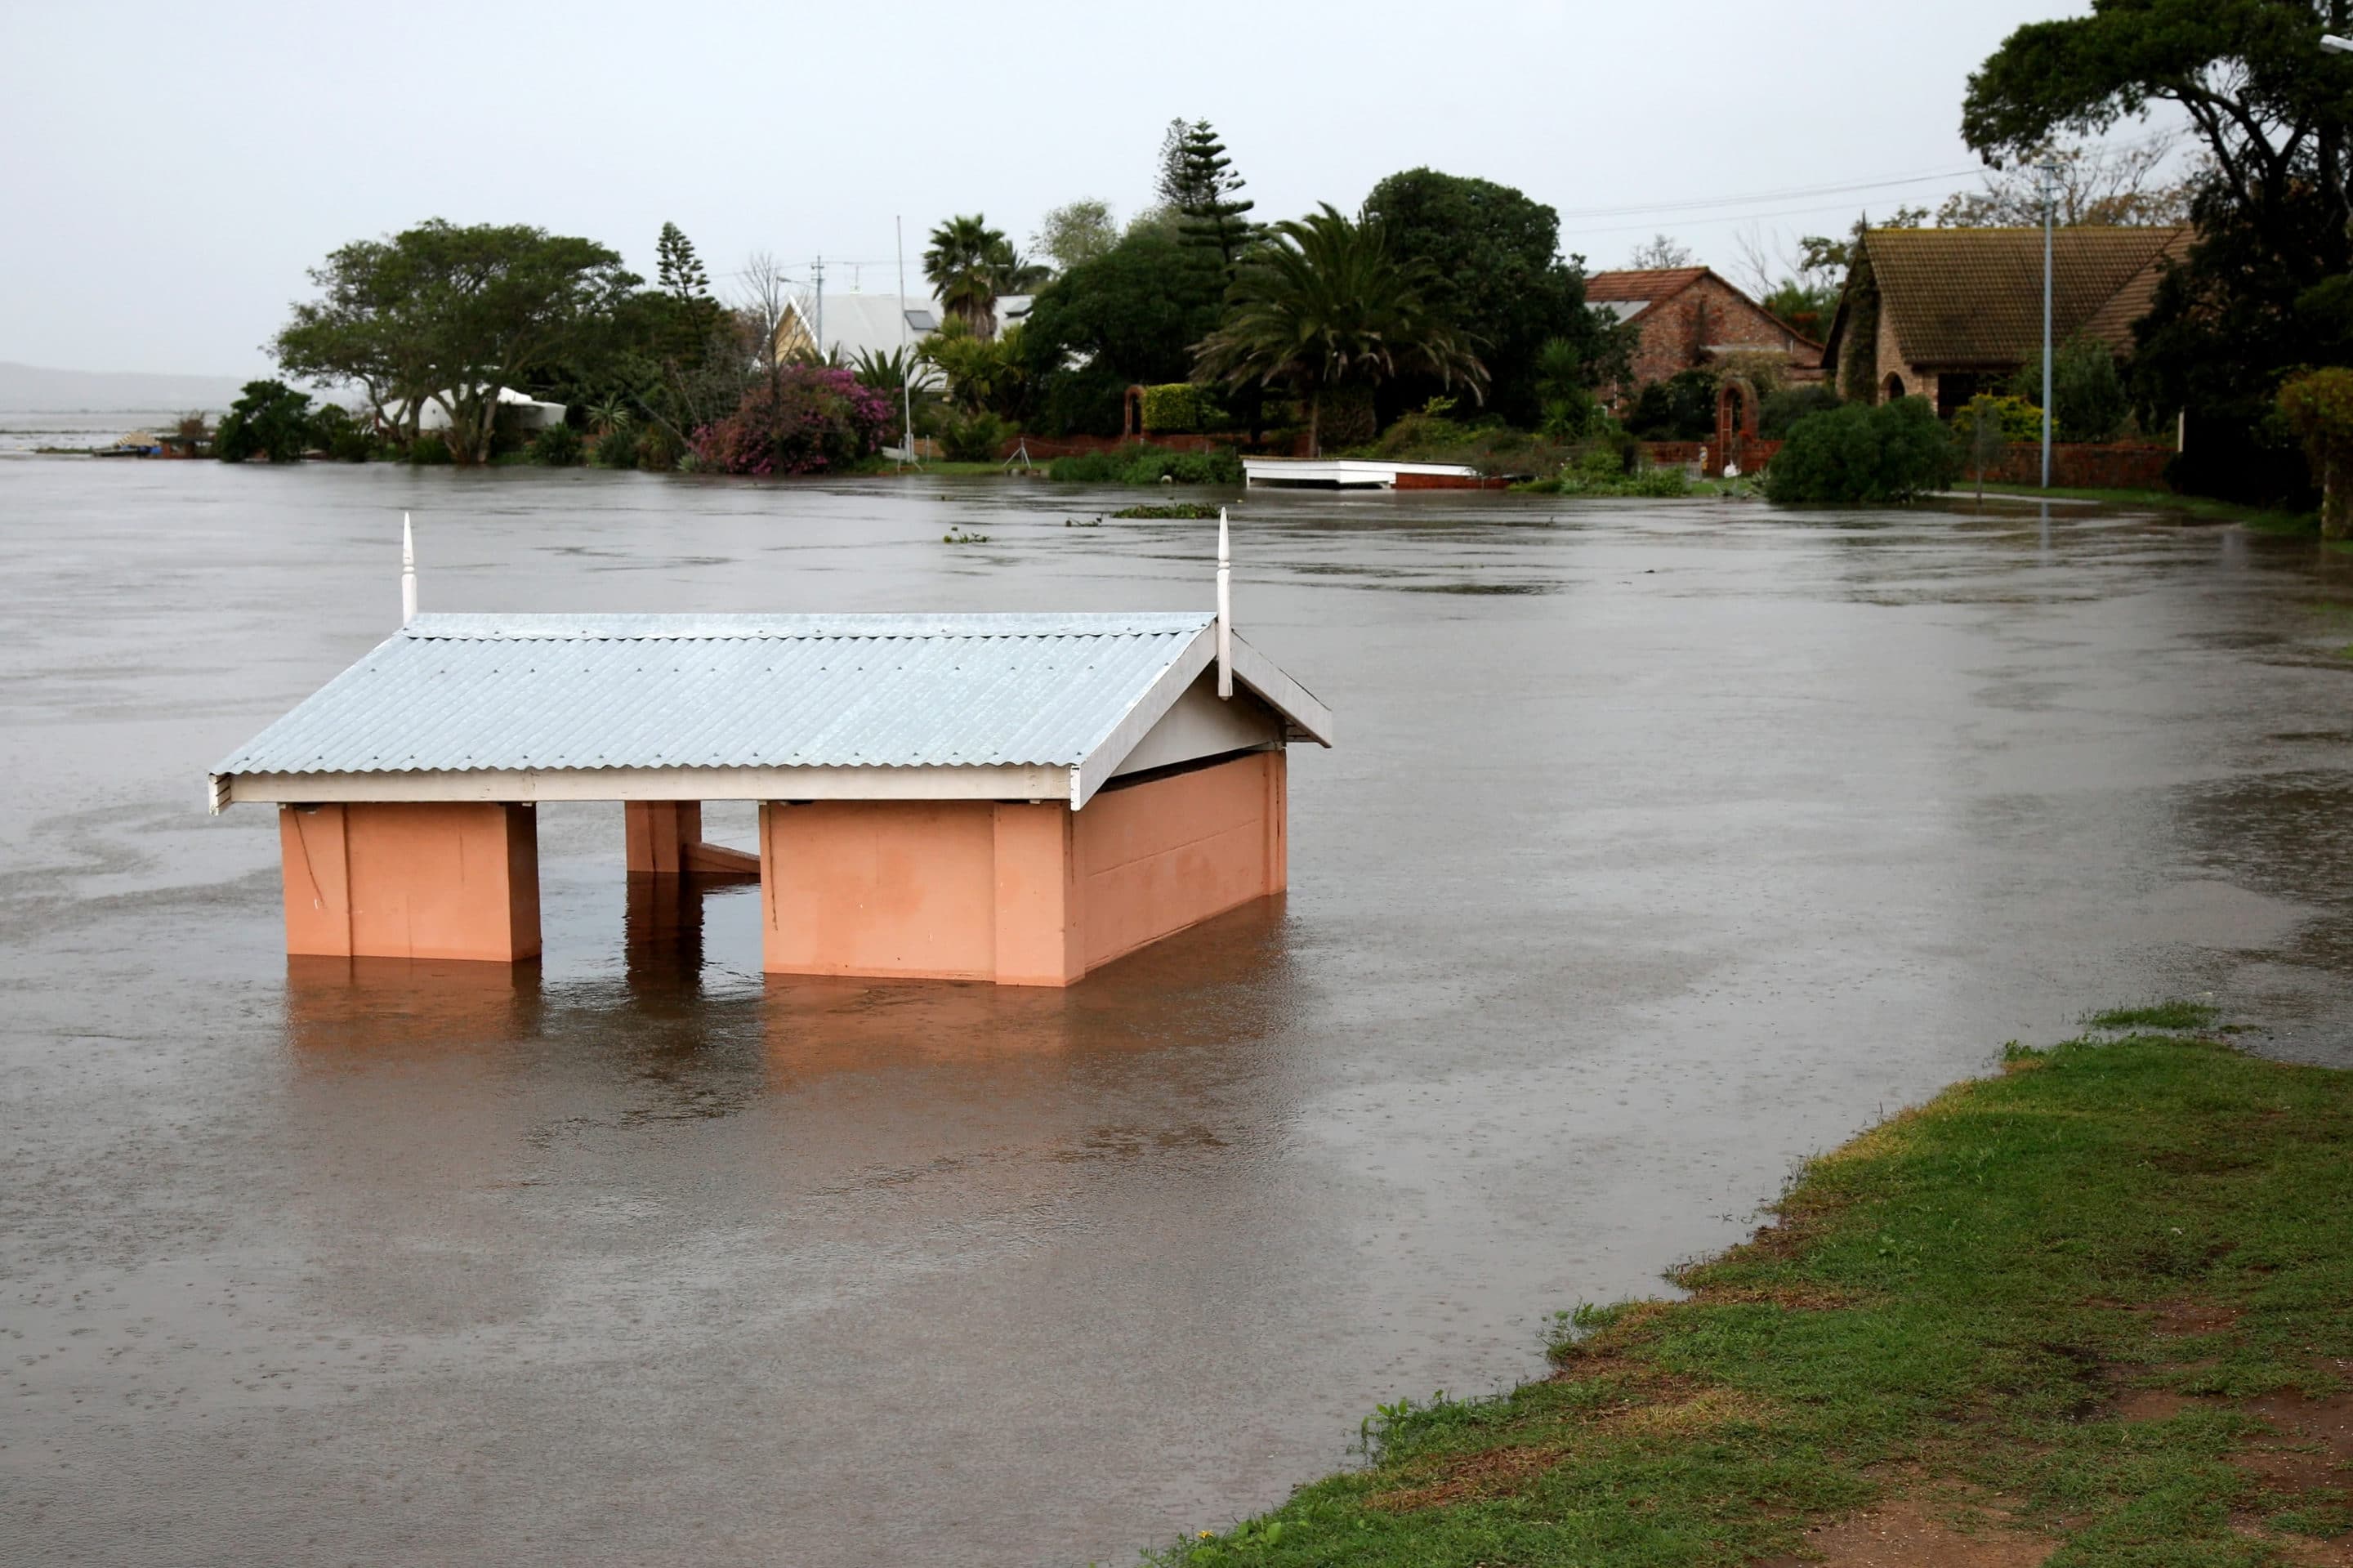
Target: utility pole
820,309
2049,201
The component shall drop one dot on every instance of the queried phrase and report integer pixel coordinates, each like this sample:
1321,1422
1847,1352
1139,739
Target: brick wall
1754,455
1678,332
1042,448
2079,465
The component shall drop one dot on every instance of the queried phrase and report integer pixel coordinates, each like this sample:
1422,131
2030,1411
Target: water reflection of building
359,1007
1212,985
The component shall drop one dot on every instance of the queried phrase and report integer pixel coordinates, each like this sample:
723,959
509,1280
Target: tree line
1437,287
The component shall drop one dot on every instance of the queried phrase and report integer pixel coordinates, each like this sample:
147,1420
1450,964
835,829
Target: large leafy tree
2271,110
1493,268
1074,232
1327,307
1131,315
454,314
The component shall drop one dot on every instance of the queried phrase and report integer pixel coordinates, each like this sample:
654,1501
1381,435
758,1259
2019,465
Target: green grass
1952,1306
2154,1015
2200,507
942,466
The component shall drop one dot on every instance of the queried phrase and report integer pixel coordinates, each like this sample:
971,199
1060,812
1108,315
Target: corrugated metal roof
459,693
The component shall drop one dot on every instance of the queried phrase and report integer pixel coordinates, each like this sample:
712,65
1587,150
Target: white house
871,323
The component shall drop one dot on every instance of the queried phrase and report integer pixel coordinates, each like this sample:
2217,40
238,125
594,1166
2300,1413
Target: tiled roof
1640,286
1965,297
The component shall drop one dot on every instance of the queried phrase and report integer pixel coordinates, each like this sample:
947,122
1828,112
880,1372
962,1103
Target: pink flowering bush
811,420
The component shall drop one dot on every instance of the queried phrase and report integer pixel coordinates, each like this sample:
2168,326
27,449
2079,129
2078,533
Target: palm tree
1325,305
971,266
608,414
964,264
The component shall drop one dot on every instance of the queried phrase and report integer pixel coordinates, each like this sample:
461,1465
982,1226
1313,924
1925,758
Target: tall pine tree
1198,180
678,269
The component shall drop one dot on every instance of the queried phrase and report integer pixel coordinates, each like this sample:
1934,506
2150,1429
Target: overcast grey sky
169,175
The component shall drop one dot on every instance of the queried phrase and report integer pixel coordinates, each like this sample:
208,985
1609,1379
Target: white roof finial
408,572
1225,612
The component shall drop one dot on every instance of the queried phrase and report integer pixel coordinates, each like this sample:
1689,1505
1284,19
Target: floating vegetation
958,536
1182,510
1091,522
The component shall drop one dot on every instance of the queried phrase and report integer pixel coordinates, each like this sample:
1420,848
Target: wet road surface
1667,844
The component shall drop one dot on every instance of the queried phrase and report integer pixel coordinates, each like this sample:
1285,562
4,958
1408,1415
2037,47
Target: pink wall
389,880
1018,893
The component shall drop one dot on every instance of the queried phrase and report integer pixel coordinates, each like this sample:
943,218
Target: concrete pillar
1041,936
665,839
411,880
658,831
1278,820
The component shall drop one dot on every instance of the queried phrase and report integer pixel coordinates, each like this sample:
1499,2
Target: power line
1792,193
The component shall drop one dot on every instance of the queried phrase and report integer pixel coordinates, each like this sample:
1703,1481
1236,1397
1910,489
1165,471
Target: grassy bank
2097,1309
2205,508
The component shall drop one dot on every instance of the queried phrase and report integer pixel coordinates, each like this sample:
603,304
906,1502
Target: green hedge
1178,407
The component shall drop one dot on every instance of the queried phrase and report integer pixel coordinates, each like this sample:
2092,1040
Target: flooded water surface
1666,844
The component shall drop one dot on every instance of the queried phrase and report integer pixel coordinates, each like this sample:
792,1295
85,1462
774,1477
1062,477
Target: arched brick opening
1131,415
1893,389
1735,425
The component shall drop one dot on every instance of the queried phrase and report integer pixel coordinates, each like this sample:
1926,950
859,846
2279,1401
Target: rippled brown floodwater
1668,844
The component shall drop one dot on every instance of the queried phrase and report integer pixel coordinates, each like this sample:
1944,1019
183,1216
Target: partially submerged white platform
1347,474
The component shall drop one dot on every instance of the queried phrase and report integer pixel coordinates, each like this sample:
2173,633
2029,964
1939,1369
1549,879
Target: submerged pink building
1010,798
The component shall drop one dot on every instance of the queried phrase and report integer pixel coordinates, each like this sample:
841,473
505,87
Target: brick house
1688,318
1947,314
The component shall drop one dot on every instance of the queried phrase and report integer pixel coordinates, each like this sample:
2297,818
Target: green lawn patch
1181,511
2100,1304
2204,507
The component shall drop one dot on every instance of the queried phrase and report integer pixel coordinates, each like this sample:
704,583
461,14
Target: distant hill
34,386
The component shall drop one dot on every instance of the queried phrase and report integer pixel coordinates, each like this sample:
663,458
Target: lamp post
2049,200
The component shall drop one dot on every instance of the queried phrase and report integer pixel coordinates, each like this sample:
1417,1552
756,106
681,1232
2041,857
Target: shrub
558,446
1087,400
1781,409
1680,409
430,451
1890,453
2319,404
1217,466
2018,419
268,420
1142,463
616,448
1422,431
972,438
2087,395
1089,468
809,419
657,449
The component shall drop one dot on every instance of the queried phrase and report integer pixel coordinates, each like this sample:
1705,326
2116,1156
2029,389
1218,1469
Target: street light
2050,195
